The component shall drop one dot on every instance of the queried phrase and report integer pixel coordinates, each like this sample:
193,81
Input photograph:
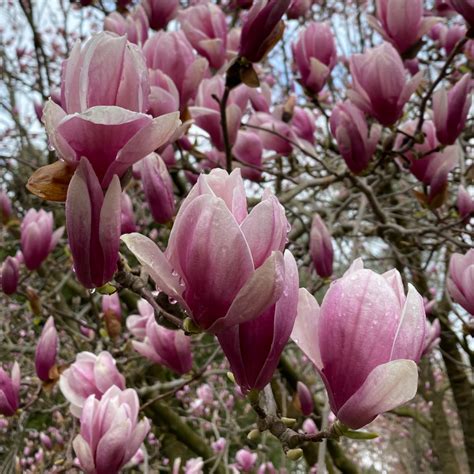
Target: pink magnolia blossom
432,336
320,247
245,459
248,149
380,87
46,350
9,275
253,348
158,188
160,12
134,25
305,398
136,323
111,305
368,328
164,95
315,55
110,433
450,110
205,28
461,280
172,54
223,265
5,207
465,203
401,22
355,142
10,391
105,70
299,8
262,28
37,237
93,226
206,112
89,375
127,217
161,345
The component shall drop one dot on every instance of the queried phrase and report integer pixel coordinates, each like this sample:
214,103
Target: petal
83,452
410,337
306,330
265,229
262,290
111,448
144,142
387,386
155,264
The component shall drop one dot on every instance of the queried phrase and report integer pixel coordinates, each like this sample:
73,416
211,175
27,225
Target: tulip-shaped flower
380,87
5,207
205,27
279,136
206,111
305,398
110,432
136,323
164,96
105,70
254,347
450,110
245,460
248,149
365,342
37,237
127,218
93,226
172,53
461,280
134,26
465,203
401,22
46,351
465,8
315,55
158,188
320,247
356,144
431,168
10,391
163,346
223,265
9,275
262,28
89,375
303,123
160,12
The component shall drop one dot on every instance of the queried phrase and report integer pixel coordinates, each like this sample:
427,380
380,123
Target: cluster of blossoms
128,99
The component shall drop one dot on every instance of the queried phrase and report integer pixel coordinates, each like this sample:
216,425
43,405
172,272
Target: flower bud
9,275
305,398
46,351
320,247
10,391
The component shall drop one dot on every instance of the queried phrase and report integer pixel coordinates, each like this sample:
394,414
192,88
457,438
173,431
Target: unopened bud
190,326
254,435
294,454
231,377
288,421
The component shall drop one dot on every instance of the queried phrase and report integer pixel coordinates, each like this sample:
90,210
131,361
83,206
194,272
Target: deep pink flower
5,207
161,345
160,12
380,87
127,217
465,8
450,110
172,53
37,237
315,55
248,149
401,22
9,275
461,280
356,144
10,391
320,247
262,28
254,347
367,328
205,28
134,25
306,398
46,350
465,203
158,188
223,265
